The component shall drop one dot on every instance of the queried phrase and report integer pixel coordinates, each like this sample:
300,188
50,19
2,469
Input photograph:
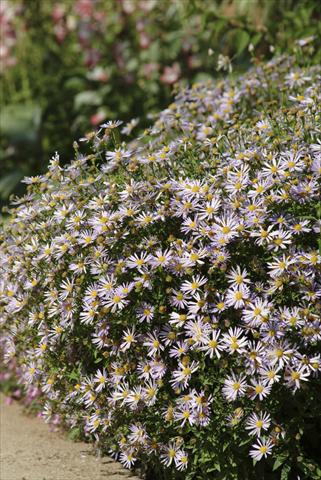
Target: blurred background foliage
69,65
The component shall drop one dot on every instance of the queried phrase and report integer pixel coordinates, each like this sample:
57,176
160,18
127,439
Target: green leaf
74,375
256,39
20,123
242,40
279,461
217,467
74,83
87,98
8,183
74,433
285,472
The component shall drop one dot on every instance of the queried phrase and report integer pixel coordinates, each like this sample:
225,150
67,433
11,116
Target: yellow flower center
238,295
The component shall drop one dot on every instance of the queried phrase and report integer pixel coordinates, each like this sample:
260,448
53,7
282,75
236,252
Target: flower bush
164,294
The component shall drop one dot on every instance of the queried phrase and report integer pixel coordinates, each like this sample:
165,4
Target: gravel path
29,451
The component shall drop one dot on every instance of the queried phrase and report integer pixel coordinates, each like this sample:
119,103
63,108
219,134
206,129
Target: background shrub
69,65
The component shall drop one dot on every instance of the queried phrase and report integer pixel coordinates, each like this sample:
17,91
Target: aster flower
169,454
153,344
127,458
212,345
117,300
295,375
234,340
234,386
256,423
181,460
192,286
236,296
129,337
260,389
261,449
181,377
100,379
161,258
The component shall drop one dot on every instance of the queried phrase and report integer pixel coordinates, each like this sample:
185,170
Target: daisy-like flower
169,453
198,331
100,379
134,397
106,285
256,423
121,392
86,238
153,344
226,226
184,415
280,354
150,390
137,434
194,257
178,349
264,126
294,375
237,276
261,449
296,79
280,240
161,258
89,313
234,340
209,209
129,337
145,313
197,305
190,226
237,296
273,168
111,124
260,389
67,287
280,266
302,226
192,286
139,261
116,301
30,372
181,377
127,458
181,460
213,346
234,386
263,236
128,128
257,312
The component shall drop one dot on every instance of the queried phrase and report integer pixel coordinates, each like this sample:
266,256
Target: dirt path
29,451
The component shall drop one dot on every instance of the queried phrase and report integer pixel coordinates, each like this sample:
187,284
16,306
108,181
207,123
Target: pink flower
171,74
97,118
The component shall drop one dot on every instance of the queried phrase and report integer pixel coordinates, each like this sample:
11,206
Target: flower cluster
163,290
